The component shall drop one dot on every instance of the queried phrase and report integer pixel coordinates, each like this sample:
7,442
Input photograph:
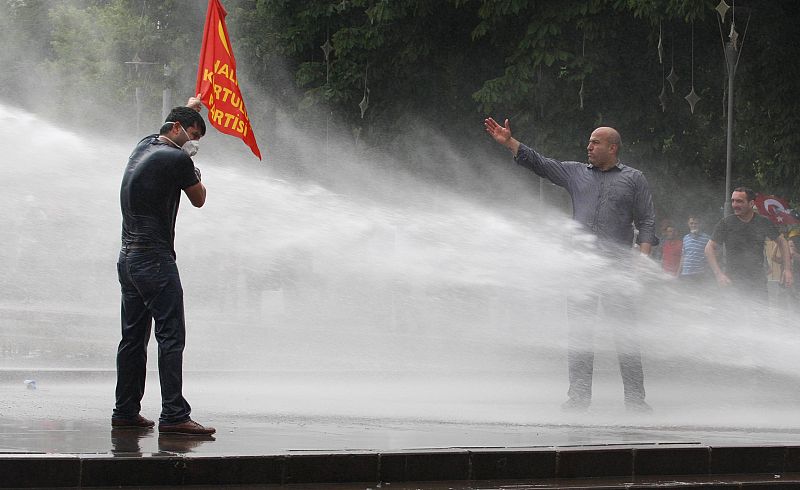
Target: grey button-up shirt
609,203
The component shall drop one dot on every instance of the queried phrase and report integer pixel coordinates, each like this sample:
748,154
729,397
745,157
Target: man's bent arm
196,194
644,215
711,256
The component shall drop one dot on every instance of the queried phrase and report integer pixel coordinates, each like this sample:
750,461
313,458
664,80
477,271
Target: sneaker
137,422
188,428
638,406
575,405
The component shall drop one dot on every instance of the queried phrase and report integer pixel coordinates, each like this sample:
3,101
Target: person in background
776,293
694,265
794,250
671,251
743,234
609,199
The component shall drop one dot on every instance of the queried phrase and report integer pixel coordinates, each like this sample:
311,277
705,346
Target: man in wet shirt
158,170
743,234
609,198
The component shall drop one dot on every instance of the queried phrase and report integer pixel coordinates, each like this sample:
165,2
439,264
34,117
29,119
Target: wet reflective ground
312,420
315,412
260,436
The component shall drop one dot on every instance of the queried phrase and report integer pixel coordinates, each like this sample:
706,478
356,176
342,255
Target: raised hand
194,103
501,134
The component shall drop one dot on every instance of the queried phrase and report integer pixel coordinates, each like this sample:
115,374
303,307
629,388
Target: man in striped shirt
694,267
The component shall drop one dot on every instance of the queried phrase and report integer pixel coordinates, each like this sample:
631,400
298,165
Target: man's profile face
740,204
194,133
182,135
599,151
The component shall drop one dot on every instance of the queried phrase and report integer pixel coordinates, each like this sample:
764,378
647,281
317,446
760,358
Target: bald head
611,134
603,148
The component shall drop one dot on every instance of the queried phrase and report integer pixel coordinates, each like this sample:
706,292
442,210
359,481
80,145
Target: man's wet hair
187,116
751,194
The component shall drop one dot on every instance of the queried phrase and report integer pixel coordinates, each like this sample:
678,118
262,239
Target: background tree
556,69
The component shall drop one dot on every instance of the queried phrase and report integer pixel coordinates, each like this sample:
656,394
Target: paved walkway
313,430
70,413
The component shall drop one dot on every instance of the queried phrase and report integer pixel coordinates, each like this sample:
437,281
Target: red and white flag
776,209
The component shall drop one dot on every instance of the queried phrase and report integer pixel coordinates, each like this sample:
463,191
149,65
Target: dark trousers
151,290
582,314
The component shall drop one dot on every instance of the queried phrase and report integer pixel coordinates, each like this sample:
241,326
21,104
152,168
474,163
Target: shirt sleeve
644,216
548,168
720,232
185,175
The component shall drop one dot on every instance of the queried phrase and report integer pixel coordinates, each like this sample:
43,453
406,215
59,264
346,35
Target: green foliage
25,37
449,63
80,54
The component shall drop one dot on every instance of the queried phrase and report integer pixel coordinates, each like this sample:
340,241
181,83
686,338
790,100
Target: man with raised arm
609,199
158,170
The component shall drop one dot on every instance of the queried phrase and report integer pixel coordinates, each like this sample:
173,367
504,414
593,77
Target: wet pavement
314,429
265,436
256,415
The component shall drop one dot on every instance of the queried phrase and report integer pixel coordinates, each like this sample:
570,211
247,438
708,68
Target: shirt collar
619,165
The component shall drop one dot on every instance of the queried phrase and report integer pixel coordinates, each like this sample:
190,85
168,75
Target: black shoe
576,405
638,406
137,422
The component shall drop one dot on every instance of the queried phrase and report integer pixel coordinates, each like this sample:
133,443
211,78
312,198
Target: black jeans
582,314
151,290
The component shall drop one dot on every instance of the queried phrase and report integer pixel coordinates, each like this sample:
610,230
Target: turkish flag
776,209
217,83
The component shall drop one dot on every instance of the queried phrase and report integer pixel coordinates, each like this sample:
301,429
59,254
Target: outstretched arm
501,134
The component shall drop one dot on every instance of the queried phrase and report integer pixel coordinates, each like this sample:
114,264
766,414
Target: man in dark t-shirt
743,233
159,168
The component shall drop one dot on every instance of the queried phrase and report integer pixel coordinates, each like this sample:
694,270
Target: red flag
217,83
776,209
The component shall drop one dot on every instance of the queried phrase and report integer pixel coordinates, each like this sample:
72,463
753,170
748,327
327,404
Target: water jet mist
422,302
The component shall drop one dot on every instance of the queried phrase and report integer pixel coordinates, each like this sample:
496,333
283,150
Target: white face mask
190,147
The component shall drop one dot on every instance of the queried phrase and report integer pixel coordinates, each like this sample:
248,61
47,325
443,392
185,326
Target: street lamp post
732,48
731,58
136,63
166,95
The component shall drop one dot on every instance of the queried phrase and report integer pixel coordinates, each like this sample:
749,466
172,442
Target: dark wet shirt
609,204
151,191
744,246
